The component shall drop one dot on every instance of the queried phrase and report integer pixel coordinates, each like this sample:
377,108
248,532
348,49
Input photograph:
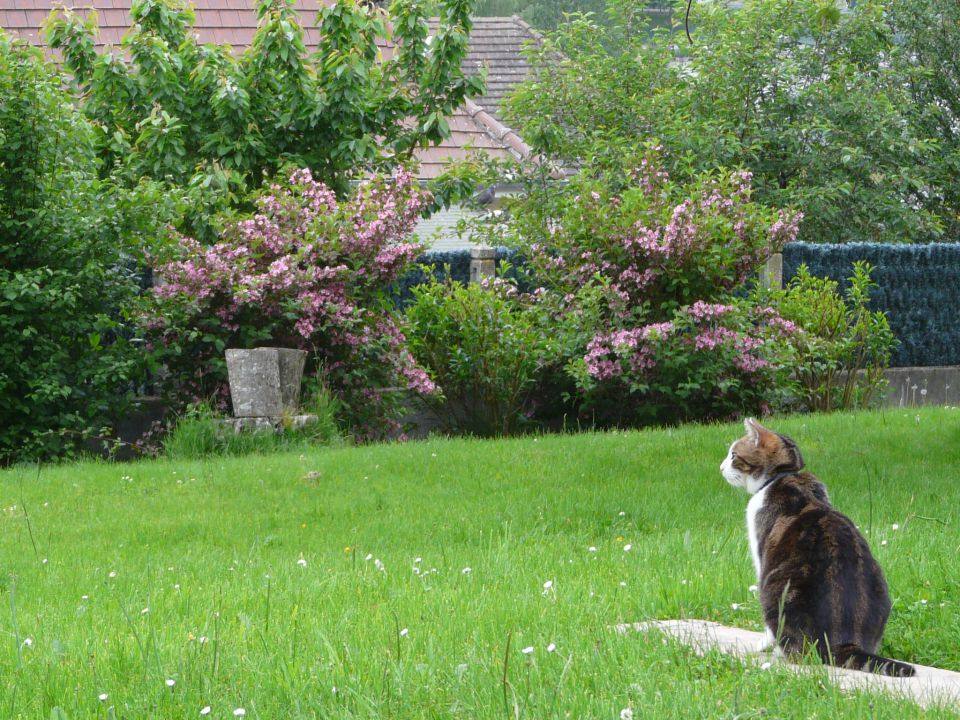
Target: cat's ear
758,433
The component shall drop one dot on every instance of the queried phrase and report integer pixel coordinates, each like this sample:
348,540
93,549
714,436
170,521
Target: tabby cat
819,585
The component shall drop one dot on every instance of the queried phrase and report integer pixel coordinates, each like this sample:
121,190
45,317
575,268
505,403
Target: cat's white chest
753,508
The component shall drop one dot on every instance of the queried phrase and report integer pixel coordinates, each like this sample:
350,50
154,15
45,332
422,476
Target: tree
795,91
199,116
67,242
927,58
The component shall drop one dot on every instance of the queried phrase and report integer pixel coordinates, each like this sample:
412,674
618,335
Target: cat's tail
850,656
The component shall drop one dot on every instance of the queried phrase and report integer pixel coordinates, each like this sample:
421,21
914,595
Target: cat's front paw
768,642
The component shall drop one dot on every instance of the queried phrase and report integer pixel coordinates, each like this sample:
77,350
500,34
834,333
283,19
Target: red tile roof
495,43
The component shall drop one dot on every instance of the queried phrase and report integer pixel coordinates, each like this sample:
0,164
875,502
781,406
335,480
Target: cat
819,585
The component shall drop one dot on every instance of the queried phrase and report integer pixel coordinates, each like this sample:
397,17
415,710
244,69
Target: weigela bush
657,245
709,361
305,271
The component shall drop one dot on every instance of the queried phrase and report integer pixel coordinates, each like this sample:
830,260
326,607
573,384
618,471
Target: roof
495,43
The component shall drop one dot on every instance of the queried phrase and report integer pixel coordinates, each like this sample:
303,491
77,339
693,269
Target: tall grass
203,433
448,579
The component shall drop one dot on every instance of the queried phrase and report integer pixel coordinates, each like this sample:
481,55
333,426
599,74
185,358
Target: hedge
918,288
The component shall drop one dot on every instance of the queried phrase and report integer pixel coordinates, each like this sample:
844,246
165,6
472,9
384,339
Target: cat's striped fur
819,585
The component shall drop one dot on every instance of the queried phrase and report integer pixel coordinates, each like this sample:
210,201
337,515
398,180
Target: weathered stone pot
265,382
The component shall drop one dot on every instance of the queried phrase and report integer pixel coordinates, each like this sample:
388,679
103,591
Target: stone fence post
772,274
483,263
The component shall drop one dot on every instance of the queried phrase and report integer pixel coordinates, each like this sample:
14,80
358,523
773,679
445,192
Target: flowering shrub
657,245
305,271
709,361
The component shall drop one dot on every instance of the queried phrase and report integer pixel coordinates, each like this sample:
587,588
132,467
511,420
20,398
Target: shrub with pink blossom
306,270
709,361
656,244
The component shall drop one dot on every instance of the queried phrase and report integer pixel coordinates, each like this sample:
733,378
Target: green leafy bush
496,354
68,248
843,347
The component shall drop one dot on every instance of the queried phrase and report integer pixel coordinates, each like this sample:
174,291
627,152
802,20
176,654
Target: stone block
274,424
265,382
931,687
483,263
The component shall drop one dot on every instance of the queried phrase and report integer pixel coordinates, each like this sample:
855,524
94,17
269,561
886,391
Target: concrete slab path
930,687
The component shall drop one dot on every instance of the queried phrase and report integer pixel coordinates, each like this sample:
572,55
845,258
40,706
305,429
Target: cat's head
758,456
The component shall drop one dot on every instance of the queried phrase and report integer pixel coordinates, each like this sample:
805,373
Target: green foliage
917,288
843,349
201,432
797,92
201,117
926,58
68,244
496,354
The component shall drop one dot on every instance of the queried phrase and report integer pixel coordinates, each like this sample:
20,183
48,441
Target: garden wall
918,288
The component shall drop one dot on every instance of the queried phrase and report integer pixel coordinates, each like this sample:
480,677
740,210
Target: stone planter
265,382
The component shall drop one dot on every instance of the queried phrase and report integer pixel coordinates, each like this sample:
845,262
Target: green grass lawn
449,579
